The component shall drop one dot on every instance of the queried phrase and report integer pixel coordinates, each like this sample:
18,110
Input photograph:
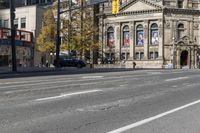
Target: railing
21,35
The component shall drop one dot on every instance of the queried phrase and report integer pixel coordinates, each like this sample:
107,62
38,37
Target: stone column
132,40
160,31
188,29
174,30
191,31
192,58
178,53
117,35
195,58
189,57
146,39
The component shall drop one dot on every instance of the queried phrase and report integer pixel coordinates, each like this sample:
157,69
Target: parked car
67,61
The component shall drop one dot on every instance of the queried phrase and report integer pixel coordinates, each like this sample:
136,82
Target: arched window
139,35
154,34
110,37
180,30
126,39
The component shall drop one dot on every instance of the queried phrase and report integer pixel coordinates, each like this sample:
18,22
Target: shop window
139,35
126,39
110,37
154,34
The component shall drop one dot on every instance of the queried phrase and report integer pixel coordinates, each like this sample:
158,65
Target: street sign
93,2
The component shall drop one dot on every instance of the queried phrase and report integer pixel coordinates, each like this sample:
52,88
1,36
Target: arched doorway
184,58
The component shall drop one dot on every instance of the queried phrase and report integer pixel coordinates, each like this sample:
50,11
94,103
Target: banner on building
115,6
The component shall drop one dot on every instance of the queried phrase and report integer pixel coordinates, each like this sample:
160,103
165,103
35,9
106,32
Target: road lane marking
62,81
92,77
50,87
142,122
67,95
174,79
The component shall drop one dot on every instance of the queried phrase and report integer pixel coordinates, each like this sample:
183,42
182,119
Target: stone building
152,33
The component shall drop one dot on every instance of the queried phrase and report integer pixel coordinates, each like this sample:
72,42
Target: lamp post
58,39
174,53
102,32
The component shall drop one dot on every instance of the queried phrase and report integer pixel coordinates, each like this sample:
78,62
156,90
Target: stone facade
153,34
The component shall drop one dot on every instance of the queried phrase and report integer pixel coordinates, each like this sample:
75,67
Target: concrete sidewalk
6,72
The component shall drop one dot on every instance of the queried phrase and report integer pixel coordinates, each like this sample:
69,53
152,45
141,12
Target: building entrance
184,58
4,60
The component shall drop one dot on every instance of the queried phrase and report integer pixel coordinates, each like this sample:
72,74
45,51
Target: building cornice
134,13
182,11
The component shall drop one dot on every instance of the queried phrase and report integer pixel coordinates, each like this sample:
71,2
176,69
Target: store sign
17,42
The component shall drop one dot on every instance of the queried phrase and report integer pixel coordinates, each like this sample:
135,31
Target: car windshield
66,57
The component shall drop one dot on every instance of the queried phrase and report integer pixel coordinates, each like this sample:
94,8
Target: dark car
66,61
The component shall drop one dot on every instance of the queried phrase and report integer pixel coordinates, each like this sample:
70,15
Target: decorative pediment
139,5
185,40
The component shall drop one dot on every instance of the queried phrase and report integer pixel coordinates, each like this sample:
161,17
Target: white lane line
67,95
142,122
174,79
92,77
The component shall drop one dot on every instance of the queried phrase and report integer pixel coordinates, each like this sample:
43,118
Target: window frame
16,23
154,30
127,31
180,28
23,27
4,23
110,30
139,30
1,23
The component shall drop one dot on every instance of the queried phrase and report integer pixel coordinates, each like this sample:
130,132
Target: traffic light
115,6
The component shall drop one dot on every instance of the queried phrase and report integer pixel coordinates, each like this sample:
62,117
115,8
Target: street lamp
174,53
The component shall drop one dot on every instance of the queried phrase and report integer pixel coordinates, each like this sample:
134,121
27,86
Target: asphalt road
146,101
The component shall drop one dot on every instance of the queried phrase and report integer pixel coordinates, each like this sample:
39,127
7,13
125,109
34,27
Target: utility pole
69,25
94,55
102,32
12,17
58,39
82,52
